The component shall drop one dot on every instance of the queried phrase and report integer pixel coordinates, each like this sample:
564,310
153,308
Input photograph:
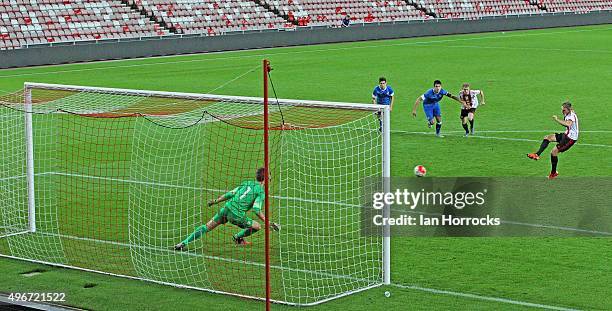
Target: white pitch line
175,284
562,228
24,176
524,49
325,274
444,292
534,140
184,187
557,227
496,138
133,181
232,260
518,131
12,177
510,222
293,50
480,297
13,234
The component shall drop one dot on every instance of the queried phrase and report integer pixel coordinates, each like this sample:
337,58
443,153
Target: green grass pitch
525,75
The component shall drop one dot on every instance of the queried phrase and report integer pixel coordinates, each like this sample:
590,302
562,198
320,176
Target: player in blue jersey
431,105
382,95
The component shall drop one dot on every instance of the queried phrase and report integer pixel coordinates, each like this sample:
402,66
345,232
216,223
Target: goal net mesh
121,177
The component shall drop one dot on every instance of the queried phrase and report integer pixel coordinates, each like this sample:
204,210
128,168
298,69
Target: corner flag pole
266,70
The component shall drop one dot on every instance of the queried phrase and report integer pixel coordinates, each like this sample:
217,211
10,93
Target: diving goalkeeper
249,195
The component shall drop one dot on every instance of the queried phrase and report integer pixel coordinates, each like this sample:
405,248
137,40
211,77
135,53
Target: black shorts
564,143
464,112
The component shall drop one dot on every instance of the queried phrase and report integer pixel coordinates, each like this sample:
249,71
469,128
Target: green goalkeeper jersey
249,195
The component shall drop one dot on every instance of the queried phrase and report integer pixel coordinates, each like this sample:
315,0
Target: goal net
109,180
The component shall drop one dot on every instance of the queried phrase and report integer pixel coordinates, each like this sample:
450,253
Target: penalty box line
519,131
430,290
500,138
562,228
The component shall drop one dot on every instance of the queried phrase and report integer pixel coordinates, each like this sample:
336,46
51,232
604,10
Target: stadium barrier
62,53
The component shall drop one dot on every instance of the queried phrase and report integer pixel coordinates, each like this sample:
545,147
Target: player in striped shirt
564,140
249,195
470,97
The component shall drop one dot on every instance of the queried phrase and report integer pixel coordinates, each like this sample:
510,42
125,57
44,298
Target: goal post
266,128
29,141
109,180
386,175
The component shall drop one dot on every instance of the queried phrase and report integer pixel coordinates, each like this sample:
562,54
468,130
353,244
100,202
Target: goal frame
383,110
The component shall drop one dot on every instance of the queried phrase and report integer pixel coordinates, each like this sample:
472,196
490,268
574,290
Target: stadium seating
578,6
27,22
210,17
472,9
331,12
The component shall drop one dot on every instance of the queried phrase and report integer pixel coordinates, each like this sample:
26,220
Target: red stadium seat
69,20
41,21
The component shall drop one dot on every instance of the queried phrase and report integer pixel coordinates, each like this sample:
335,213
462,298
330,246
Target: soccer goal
108,180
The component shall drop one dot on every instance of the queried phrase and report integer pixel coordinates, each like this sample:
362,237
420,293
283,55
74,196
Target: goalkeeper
249,195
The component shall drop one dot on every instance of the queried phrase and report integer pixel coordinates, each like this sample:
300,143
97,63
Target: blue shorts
432,110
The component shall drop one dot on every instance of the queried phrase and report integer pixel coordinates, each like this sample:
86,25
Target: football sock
553,162
471,125
438,127
245,233
543,146
196,234
465,127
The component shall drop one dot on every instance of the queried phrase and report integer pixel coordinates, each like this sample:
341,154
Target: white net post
13,184
386,145
29,141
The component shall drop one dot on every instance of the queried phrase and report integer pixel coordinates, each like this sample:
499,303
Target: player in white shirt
470,97
564,140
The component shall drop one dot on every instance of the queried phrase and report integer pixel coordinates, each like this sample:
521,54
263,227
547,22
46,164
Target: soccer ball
420,171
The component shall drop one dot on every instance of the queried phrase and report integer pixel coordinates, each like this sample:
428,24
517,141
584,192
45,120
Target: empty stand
209,16
473,9
27,22
578,6
331,12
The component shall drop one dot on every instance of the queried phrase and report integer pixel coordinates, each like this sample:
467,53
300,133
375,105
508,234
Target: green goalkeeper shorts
224,215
